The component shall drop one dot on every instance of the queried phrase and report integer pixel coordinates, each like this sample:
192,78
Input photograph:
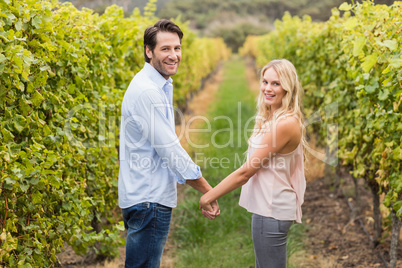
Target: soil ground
332,239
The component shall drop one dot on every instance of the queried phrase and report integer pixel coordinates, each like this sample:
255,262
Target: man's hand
210,210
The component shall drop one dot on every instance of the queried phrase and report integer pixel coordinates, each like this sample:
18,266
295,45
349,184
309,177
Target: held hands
209,210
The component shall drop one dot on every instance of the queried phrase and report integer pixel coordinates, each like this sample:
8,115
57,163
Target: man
152,160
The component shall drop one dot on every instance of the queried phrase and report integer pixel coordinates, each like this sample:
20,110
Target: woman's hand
209,210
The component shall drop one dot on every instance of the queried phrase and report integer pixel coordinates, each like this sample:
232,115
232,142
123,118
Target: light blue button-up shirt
152,160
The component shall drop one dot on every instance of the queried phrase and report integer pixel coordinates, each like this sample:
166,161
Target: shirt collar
156,76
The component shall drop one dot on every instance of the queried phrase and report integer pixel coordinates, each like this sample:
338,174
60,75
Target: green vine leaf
345,7
369,62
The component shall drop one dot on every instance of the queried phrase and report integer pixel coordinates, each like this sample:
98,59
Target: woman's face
272,90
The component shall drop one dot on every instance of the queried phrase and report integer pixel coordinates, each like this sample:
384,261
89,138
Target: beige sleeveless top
277,189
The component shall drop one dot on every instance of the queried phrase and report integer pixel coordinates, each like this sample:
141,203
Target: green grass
225,241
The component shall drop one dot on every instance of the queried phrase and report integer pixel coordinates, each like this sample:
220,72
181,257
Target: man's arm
203,186
200,185
157,129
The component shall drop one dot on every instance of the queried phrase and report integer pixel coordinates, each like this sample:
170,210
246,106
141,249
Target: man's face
167,53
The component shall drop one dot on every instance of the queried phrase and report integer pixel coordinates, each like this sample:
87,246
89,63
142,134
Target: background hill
233,20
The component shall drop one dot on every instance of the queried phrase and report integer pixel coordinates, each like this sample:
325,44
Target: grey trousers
269,238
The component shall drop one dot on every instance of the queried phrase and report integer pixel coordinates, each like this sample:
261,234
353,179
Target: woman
273,175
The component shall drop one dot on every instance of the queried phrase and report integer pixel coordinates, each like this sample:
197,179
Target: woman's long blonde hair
291,102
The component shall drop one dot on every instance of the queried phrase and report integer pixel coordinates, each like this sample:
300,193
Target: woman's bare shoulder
288,122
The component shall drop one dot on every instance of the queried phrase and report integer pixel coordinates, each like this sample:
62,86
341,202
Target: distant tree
128,6
235,35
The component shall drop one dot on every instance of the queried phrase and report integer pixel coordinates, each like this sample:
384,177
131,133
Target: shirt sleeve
156,128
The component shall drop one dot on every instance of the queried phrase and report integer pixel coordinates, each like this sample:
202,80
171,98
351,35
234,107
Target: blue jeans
269,239
148,228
